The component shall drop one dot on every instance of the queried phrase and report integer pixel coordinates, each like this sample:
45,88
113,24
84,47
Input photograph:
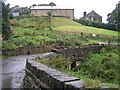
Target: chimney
84,14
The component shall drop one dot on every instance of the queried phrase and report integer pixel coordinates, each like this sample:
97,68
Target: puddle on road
18,79
14,70
7,73
13,80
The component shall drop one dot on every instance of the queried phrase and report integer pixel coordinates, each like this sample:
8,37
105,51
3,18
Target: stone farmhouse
67,13
92,16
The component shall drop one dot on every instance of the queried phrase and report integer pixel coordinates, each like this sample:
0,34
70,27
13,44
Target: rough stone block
74,85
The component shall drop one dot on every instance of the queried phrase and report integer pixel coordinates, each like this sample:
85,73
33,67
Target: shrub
96,24
103,65
56,61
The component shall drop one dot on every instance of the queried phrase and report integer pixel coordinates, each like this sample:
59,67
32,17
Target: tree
6,31
118,21
24,10
42,4
52,4
50,19
21,10
114,16
15,8
50,13
34,5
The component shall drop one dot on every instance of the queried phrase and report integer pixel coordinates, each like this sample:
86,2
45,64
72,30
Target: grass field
36,31
63,24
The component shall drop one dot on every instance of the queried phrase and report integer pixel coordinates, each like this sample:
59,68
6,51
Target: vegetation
52,4
96,69
36,31
22,10
114,16
71,26
97,24
6,31
56,61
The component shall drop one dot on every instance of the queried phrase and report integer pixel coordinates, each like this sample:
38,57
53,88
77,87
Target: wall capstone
40,76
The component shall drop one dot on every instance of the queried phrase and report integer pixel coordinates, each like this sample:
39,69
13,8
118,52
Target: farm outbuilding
67,13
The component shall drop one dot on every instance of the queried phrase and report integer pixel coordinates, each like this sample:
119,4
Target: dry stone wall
40,76
79,52
28,50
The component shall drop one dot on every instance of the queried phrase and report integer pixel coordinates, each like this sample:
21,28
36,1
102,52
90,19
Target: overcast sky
102,7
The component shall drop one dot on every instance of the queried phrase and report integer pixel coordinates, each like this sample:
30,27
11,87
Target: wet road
13,70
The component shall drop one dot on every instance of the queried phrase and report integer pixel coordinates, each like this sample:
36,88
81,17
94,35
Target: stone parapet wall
40,76
79,51
28,50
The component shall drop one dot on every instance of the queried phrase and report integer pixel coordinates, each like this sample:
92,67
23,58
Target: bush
101,66
96,24
56,61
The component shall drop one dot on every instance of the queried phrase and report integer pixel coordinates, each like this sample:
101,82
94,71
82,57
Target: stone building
92,16
67,13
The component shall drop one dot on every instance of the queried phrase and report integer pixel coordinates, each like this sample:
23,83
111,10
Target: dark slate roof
93,12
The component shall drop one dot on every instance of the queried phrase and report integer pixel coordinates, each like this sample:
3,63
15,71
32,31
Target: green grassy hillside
36,31
63,24
59,22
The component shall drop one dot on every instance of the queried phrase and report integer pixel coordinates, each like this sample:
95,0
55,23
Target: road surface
13,70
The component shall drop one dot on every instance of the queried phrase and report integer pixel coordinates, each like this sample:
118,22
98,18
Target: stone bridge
40,76
78,52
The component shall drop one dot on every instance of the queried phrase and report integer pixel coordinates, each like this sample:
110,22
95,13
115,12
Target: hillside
63,24
36,31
